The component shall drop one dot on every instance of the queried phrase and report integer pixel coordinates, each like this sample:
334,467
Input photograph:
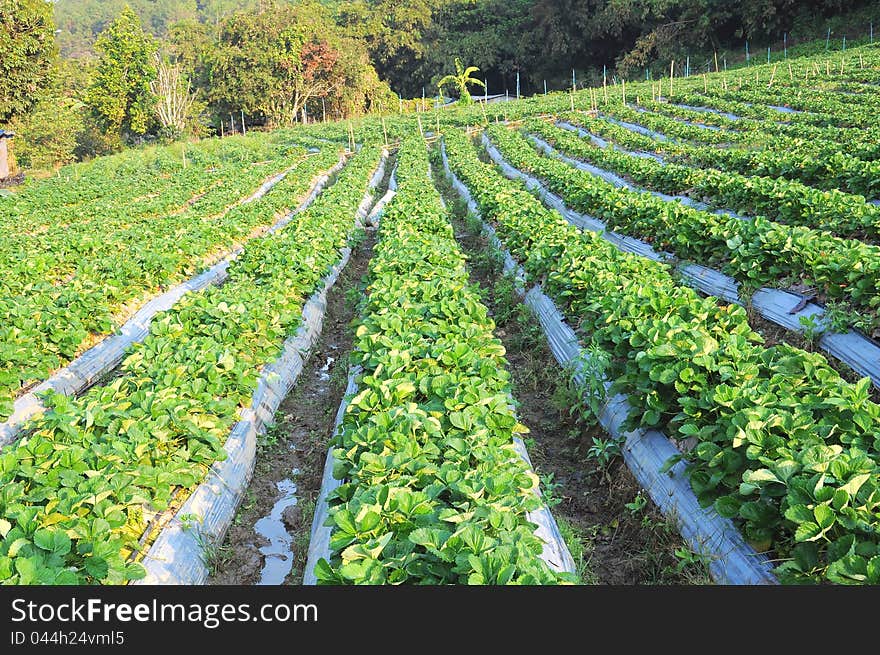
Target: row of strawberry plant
61,240
756,252
781,200
77,490
49,323
810,160
784,445
143,182
831,167
737,101
669,119
433,491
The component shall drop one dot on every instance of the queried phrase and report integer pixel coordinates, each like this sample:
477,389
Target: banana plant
460,81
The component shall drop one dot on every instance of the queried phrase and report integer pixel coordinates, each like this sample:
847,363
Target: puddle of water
278,557
323,375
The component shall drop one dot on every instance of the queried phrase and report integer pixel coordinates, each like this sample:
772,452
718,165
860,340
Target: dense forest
413,42
86,77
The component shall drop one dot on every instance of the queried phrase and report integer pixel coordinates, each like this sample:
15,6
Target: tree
460,80
275,60
175,100
27,49
119,95
394,32
48,135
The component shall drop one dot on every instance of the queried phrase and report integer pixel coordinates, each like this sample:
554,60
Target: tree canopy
119,94
27,44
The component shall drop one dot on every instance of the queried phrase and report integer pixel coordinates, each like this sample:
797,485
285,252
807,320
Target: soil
12,180
298,441
620,545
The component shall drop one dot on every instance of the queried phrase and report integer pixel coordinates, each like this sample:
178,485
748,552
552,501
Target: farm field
623,334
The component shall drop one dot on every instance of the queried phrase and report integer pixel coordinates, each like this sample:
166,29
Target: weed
269,439
604,451
575,540
550,489
812,330
638,504
357,237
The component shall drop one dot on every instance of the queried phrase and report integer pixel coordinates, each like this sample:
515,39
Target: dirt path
615,533
298,441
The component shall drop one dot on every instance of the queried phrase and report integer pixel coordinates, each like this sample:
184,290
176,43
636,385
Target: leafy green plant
432,421
461,80
91,467
785,447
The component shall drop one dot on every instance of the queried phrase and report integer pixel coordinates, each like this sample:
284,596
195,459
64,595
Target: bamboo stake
671,73
790,73
705,83
772,76
716,61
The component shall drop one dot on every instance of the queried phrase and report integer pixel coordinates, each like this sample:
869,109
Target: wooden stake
705,83
384,131
716,61
772,76
623,90
790,73
671,73
605,87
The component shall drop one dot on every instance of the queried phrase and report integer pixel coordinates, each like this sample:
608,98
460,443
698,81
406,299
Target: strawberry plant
785,447
78,490
433,491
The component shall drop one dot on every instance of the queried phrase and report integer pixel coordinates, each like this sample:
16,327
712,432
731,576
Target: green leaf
5,527
728,506
96,567
807,532
17,545
824,516
799,514
27,570
370,520
55,541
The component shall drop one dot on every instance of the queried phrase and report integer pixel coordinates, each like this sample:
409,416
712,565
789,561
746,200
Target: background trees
278,61
28,49
119,95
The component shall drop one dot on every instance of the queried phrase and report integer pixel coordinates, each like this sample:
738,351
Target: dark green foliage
28,46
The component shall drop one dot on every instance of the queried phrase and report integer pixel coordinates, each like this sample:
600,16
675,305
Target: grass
575,539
